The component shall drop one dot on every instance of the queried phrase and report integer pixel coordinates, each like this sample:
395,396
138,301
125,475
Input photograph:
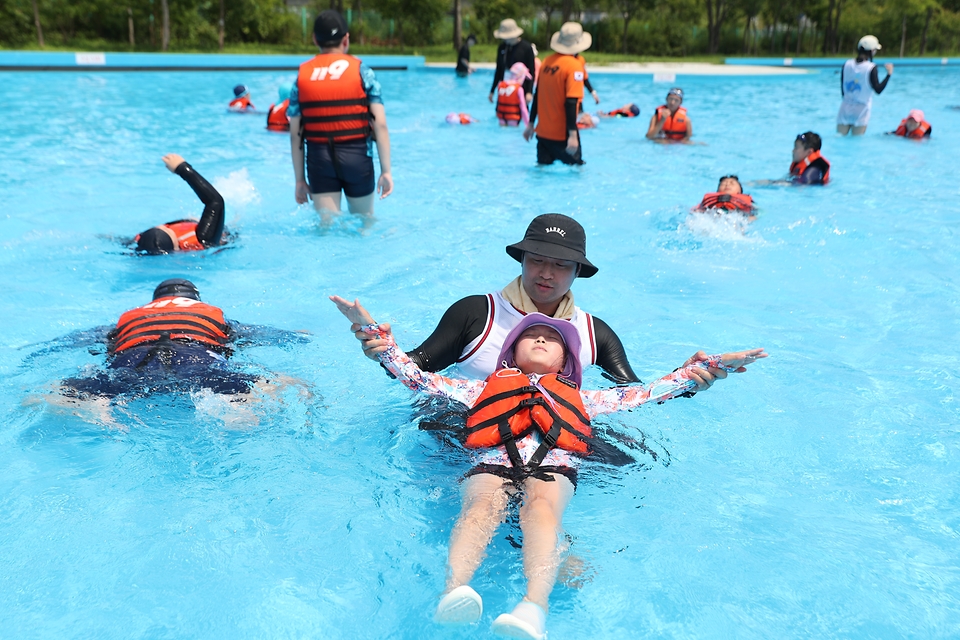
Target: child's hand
354,311
740,359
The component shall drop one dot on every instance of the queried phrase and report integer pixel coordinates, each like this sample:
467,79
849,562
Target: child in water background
511,99
532,423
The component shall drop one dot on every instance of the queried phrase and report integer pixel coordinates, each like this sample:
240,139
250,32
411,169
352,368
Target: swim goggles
676,91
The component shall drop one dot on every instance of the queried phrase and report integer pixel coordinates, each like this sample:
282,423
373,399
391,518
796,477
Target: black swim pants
349,169
519,475
167,368
549,151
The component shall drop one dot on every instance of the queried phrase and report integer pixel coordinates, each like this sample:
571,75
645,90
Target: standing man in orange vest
558,97
336,108
187,234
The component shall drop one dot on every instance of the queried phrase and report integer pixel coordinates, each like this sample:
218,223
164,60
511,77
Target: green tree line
637,27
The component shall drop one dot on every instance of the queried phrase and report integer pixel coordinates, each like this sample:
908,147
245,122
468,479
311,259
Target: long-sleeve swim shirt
210,228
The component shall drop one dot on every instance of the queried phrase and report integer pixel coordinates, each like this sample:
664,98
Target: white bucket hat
508,29
869,43
571,39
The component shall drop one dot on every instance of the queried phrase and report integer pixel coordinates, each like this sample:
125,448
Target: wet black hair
472,37
864,54
154,241
730,177
810,140
177,287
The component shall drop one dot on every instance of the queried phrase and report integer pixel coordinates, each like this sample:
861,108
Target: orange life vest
173,318
277,119
241,103
797,168
626,113
729,201
675,125
333,103
185,234
508,101
919,132
510,408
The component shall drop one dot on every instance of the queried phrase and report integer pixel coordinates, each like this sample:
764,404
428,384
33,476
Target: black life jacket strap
320,104
498,397
510,443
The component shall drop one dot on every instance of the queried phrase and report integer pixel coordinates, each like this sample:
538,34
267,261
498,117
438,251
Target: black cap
176,287
329,28
155,241
555,235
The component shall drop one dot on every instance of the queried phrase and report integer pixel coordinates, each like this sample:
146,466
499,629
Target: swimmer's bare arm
656,125
689,133
302,190
382,138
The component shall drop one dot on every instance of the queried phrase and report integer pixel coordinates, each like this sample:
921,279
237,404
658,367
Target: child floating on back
530,423
729,196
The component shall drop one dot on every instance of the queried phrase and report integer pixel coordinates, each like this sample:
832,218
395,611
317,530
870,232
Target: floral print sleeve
413,377
669,386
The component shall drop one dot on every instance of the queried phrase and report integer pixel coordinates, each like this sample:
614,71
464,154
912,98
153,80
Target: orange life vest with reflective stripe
277,119
508,101
185,234
510,407
729,201
675,125
172,318
797,168
333,103
919,132
241,103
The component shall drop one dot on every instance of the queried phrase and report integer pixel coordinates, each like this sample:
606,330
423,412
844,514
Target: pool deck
666,69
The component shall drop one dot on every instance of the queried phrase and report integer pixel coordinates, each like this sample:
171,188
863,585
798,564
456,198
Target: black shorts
350,170
549,151
519,475
167,368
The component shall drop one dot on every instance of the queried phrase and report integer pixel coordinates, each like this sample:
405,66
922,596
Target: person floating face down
336,111
913,126
529,425
277,118
670,121
241,99
187,234
630,110
558,97
859,80
808,166
511,99
729,196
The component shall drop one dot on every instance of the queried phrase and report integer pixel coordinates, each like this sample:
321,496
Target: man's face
512,41
547,280
730,185
799,151
912,124
673,101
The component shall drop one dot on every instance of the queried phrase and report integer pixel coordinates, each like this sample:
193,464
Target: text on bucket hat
329,28
571,39
508,29
554,235
572,369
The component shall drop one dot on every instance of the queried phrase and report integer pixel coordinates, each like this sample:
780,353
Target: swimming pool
815,496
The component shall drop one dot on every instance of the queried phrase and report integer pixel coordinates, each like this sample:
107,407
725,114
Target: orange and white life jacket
173,318
797,168
675,124
333,103
508,101
183,233
277,119
242,103
729,201
919,132
510,408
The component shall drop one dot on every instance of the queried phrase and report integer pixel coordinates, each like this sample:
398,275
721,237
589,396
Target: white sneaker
461,606
527,621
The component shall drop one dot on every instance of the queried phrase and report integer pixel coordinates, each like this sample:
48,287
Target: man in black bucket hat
553,253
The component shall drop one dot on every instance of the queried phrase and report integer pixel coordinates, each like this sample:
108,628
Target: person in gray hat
471,332
512,49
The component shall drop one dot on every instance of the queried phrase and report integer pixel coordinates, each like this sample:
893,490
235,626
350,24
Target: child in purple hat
530,422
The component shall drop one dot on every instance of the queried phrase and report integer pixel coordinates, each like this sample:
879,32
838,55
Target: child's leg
541,518
484,502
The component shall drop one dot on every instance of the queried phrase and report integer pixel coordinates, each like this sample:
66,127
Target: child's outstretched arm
669,386
401,366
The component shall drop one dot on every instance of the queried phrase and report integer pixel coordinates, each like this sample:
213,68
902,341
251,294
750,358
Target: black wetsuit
465,320
507,55
463,61
210,227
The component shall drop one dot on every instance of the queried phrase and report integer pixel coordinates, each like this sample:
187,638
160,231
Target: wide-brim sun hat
869,43
572,369
571,39
554,235
520,71
508,29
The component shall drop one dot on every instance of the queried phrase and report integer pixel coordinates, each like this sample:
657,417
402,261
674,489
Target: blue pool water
814,496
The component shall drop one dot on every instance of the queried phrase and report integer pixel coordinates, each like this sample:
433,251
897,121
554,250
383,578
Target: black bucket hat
555,235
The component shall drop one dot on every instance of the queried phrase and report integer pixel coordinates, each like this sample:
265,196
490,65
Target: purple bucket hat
572,369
